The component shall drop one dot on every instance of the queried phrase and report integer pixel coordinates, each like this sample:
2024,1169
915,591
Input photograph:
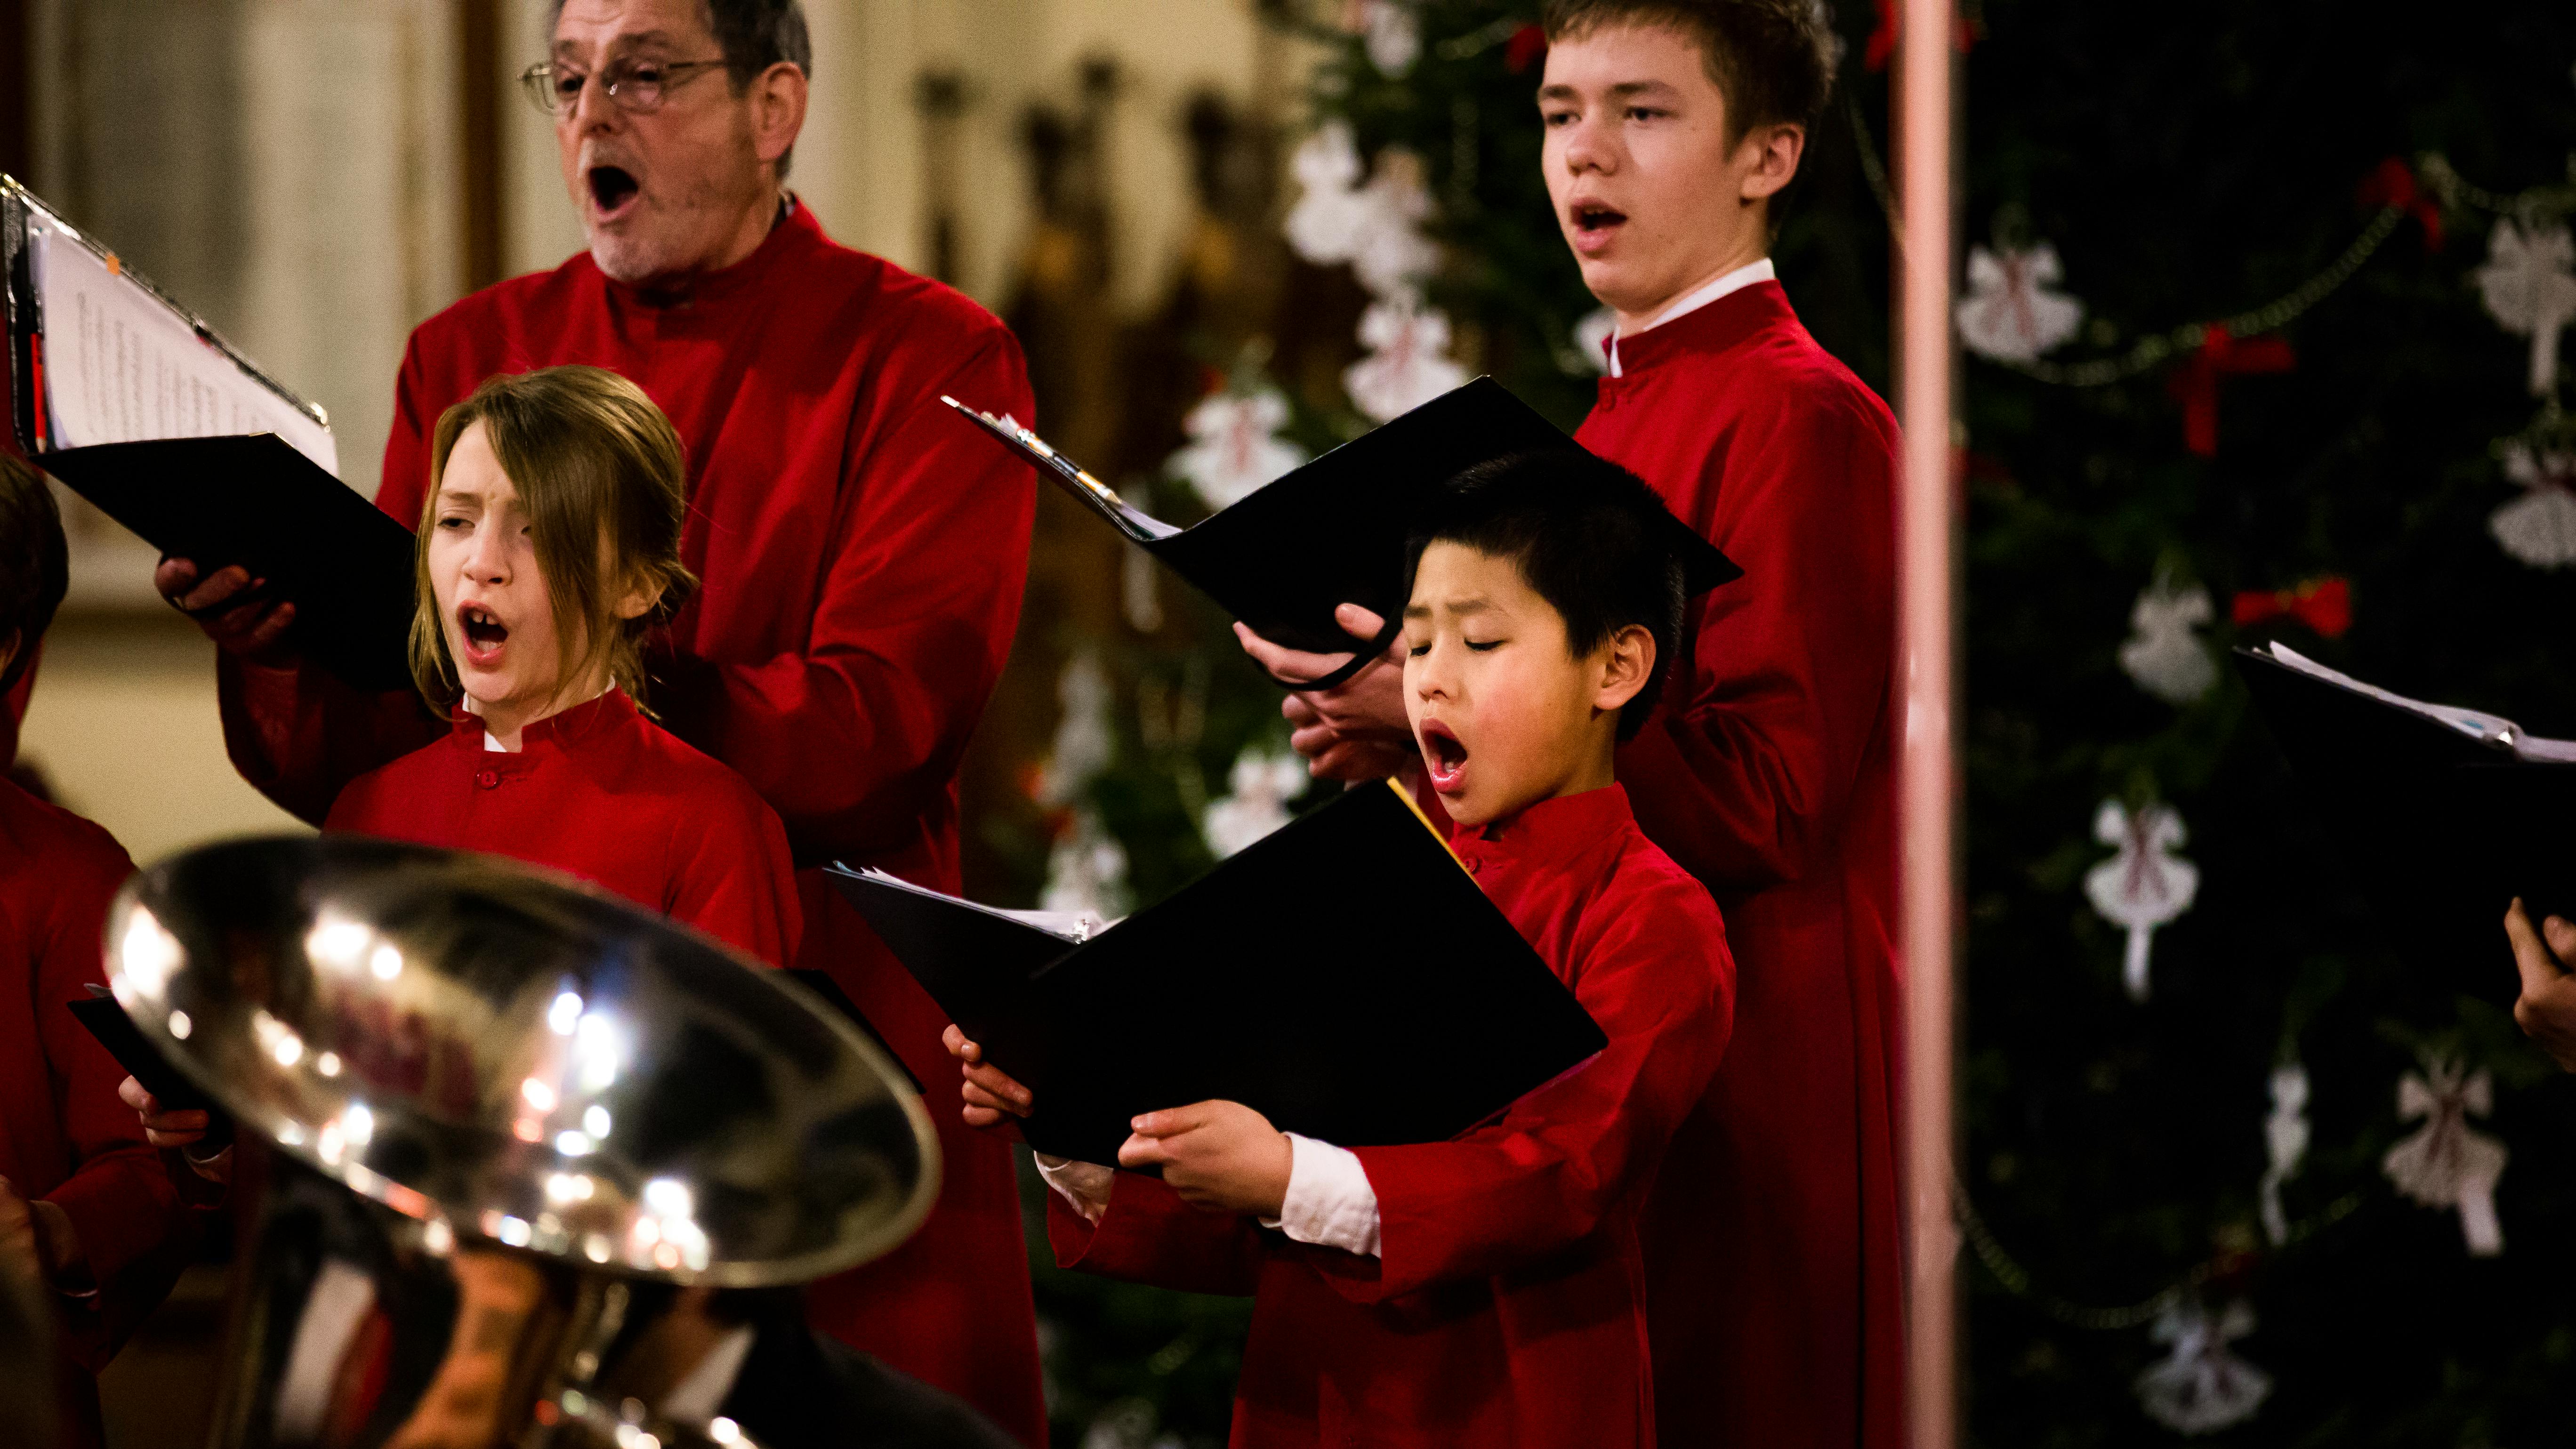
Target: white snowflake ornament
1262,783
1086,872
2529,281
2447,1163
2285,1141
2162,654
2201,1386
1235,445
2145,885
2539,528
2011,313
1405,367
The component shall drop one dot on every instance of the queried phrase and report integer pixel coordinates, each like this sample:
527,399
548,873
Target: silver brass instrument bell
543,1100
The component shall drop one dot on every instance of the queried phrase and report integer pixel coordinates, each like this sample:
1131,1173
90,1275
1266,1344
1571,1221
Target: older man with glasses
862,557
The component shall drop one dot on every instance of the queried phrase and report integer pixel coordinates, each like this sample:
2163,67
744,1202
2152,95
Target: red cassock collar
1549,834
795,233
548,737
1733,319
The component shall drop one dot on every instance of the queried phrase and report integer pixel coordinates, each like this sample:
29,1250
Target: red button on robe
1507,1308
861,553
64,1136
1772,1240
602,793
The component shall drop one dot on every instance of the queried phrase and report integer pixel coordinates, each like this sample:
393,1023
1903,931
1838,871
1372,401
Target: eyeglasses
637,86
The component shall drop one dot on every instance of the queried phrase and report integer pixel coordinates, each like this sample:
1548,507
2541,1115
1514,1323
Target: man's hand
2547,1008
231,607
992,1098
1356,730
176,1128
1221,1156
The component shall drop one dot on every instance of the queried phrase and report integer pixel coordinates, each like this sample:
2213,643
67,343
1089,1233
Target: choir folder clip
1333,530
1419,1014
2444,814
139,406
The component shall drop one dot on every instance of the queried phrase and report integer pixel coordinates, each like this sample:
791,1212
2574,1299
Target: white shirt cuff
1329,1202
1085,1185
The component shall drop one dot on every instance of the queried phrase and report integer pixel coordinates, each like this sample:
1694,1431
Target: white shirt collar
1734,281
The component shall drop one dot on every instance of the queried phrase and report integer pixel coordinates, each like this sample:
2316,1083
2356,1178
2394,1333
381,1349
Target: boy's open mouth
1445,756
1594,222
484,633
611,189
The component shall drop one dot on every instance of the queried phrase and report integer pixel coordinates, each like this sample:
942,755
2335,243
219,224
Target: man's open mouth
484,633
1445,755
611,188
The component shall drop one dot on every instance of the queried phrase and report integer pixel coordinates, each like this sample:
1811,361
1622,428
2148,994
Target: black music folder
105,1019
1343,976
2444,814
1332,531
254,501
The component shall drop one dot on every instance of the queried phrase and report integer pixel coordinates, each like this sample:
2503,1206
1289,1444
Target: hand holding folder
1420,1014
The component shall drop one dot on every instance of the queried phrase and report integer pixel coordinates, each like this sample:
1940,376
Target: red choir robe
64,1135
1773,1236
600,792
1507,1306
861,554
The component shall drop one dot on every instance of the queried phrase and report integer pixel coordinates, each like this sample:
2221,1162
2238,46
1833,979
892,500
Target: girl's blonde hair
604,481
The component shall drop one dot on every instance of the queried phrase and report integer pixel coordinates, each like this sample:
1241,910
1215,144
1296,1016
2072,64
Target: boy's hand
37,1238
232,608
2547,1008
182,1128
992,1098
1357,730
1221,1156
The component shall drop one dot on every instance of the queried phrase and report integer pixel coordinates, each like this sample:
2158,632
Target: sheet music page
2476,724
120,367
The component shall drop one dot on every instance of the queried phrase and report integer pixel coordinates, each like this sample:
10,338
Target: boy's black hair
1587,535
34,564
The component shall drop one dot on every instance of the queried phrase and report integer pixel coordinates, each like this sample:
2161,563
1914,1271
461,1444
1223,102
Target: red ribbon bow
2323,604
1882,41
2195,383
1527,47
2393,185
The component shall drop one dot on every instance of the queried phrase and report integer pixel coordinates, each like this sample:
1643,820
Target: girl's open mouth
484,634
1445,756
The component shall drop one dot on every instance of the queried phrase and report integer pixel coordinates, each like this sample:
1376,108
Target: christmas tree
2261,329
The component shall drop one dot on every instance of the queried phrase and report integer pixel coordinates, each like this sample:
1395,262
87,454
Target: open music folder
139,406
1332,531
1343,976
2444,813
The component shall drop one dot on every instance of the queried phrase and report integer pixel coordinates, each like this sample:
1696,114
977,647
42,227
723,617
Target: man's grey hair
754,35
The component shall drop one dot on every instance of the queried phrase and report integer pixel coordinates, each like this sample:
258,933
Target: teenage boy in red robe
1486,1291
1773,1239
861,553
88,1213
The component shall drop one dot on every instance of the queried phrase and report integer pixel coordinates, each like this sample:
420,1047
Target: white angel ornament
1324,224
2539,528
2162,653
2012,312
2201,1386
1235,446
1405,366
1083,741
2447,1163
1086,872
2285,1141
2144,886
2529,282
1390,32
1262,784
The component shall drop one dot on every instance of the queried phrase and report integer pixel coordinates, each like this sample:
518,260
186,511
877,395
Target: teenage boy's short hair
593,461
34,565
1587,536
1773,60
